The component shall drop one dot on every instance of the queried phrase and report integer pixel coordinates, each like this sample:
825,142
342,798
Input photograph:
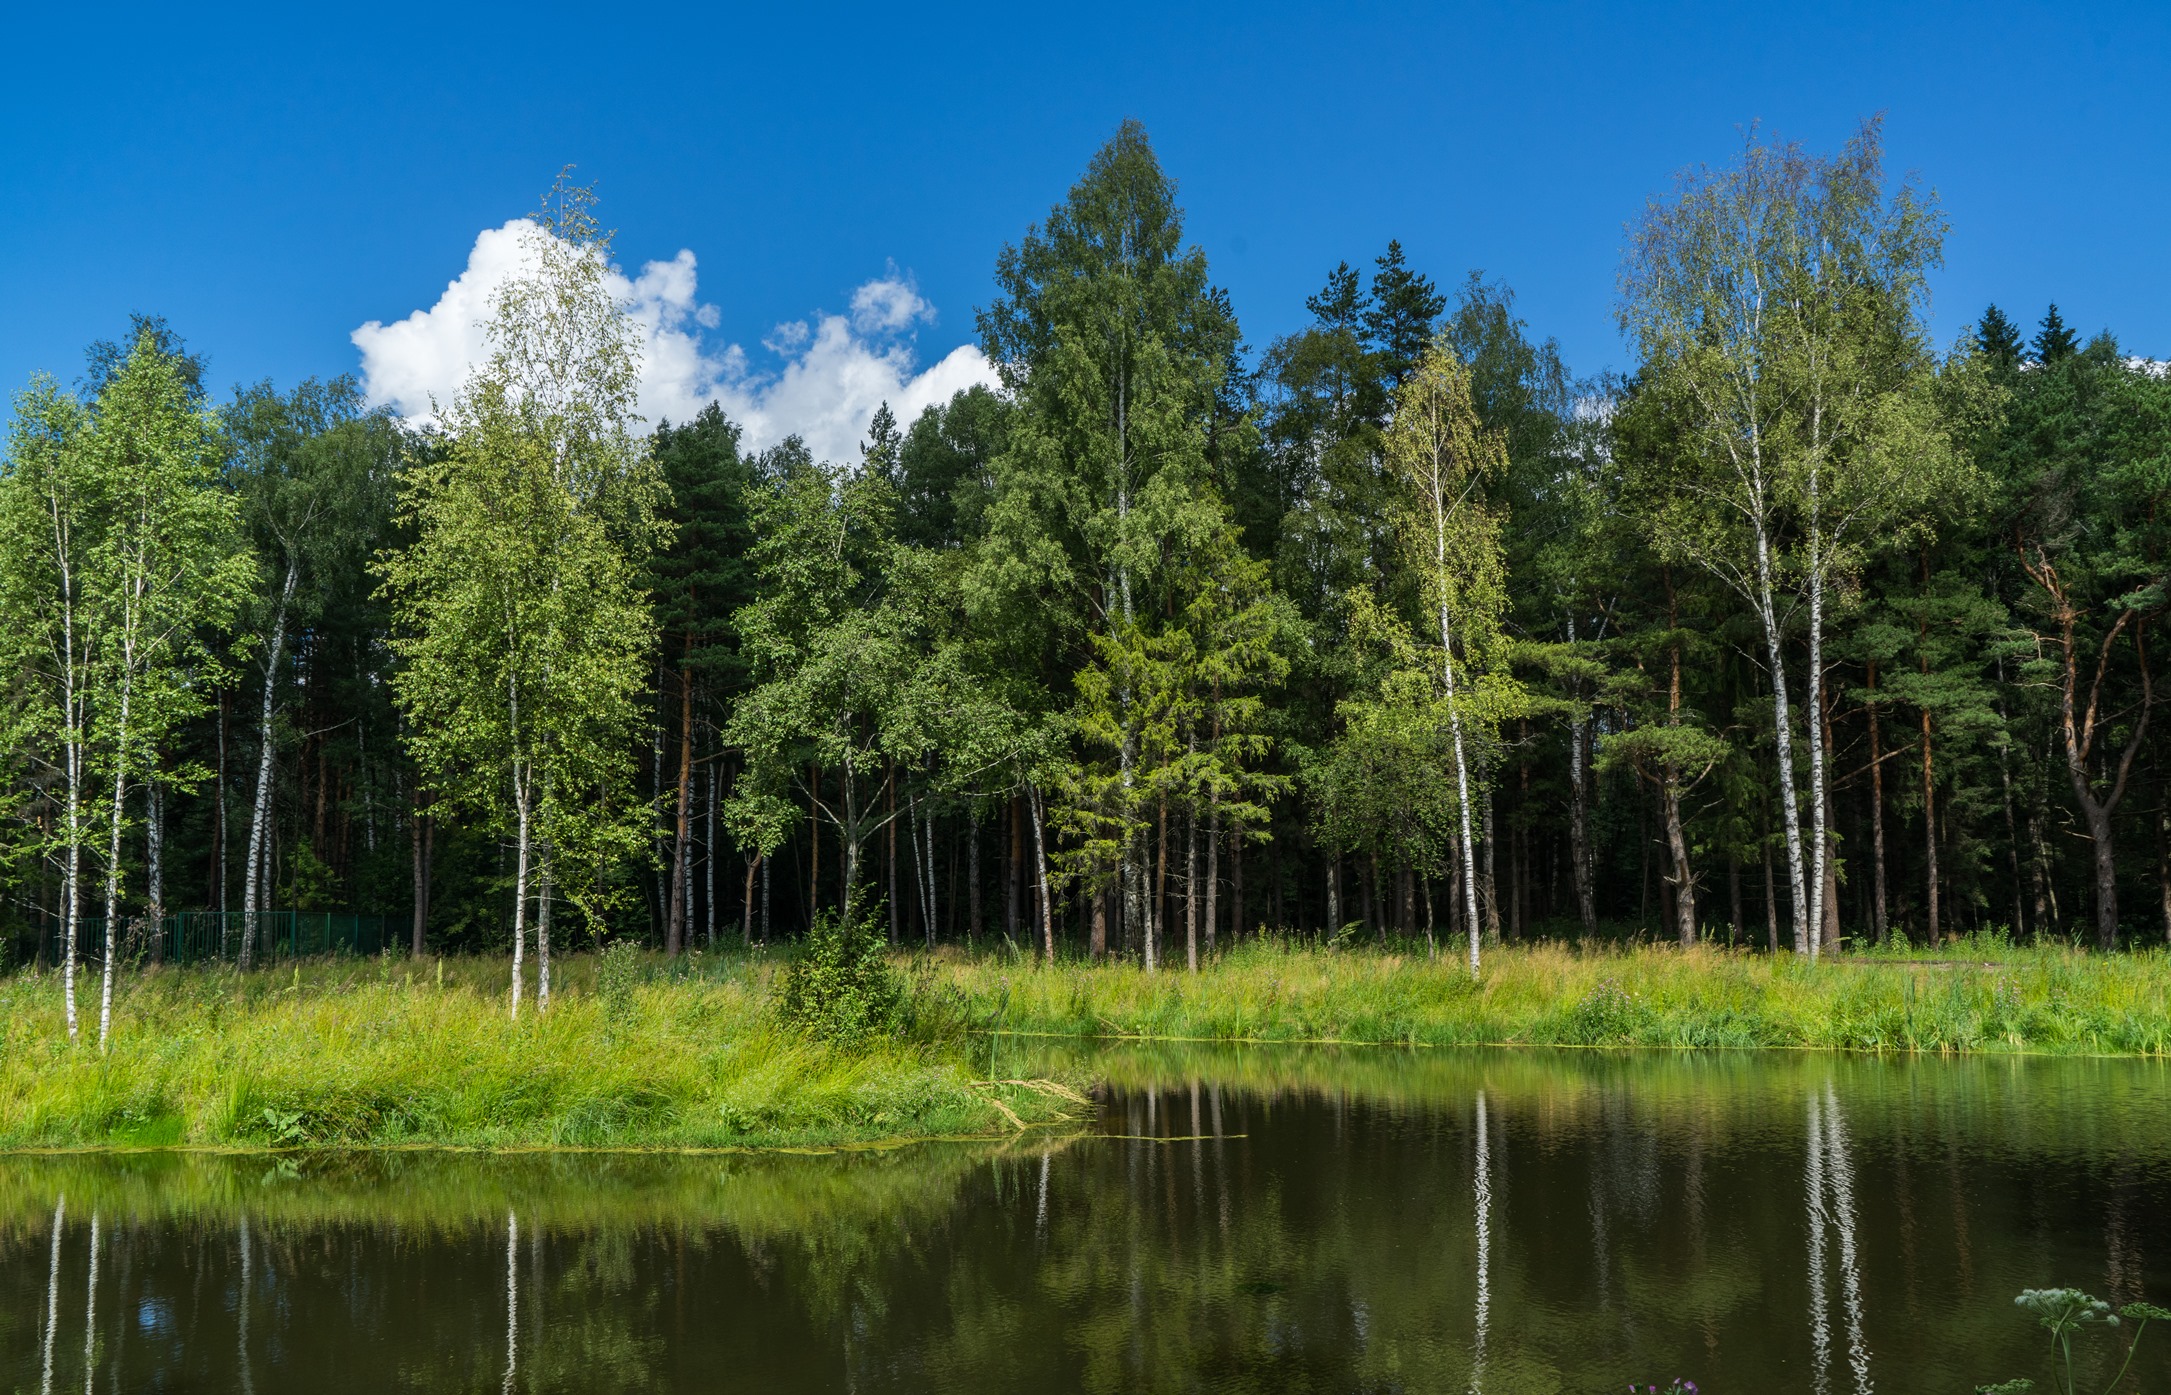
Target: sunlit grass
384,1054
1983,996
394,1052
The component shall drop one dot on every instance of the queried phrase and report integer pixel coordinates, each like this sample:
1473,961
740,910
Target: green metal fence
203,937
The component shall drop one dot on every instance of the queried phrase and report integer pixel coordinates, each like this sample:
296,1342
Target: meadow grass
384,1053
393,1052
1976,996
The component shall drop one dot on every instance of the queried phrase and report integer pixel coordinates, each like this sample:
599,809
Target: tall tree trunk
1157,911
520,880
417,820
1827,832
2079,724
674,934
154,863
1771,903
2012,821
1040,868
546,856
2163,865
1683,881
1017,871
1462,764
1819,725
927,865
1213,869
972,876
1579,827
708,853
1236,884
814,841
217,899
1929,830
260,808
1783,734
1880,926
1490,886
889,800
746,907
1733,899
113,850
1191,890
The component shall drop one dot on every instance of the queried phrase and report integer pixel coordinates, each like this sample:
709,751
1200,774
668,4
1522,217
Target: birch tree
522,625
167,573
124,559
1441,454
50,507
1776,305
314,473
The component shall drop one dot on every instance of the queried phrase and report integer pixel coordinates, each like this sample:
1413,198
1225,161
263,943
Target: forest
1809,632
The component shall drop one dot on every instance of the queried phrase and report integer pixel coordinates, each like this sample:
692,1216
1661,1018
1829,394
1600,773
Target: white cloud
823,377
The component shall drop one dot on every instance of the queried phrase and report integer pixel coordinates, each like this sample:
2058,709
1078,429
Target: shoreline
390,1055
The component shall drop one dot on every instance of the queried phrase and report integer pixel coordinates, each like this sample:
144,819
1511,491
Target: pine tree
2054,342
1406,307
2000,339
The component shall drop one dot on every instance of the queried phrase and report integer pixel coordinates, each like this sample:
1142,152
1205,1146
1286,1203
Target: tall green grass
691,1054
384,1054
1982,996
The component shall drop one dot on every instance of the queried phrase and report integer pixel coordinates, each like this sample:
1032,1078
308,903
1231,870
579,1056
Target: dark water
1272,1221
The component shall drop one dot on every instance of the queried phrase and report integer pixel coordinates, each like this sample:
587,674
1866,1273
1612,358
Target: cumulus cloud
820,378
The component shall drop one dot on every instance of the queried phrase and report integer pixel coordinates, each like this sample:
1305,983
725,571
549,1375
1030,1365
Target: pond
1232,1220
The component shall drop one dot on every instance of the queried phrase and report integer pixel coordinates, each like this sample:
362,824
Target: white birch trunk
1819,851
1040,861
546,855
260,809
520,881
113,848
1789,803
1454,715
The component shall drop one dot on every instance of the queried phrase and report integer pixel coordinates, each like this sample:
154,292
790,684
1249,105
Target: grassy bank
388,1054
1981,996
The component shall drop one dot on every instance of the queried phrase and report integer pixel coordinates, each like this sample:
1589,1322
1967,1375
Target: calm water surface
1232,1221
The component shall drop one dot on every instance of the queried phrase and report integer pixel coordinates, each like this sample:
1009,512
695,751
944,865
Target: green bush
841,988
618,972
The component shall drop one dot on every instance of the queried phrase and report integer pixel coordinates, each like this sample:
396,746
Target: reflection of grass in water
758,1196
2080,1110
1998,998
384,1054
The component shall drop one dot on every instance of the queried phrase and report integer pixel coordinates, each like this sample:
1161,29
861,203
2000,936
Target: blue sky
270,181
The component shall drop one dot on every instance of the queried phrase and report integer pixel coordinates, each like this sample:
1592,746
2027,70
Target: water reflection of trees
1493,1223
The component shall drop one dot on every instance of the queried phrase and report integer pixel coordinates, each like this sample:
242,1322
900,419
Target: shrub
841,988
618,973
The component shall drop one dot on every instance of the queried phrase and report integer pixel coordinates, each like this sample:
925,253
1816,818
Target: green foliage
841,987
619,971
2066,1313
